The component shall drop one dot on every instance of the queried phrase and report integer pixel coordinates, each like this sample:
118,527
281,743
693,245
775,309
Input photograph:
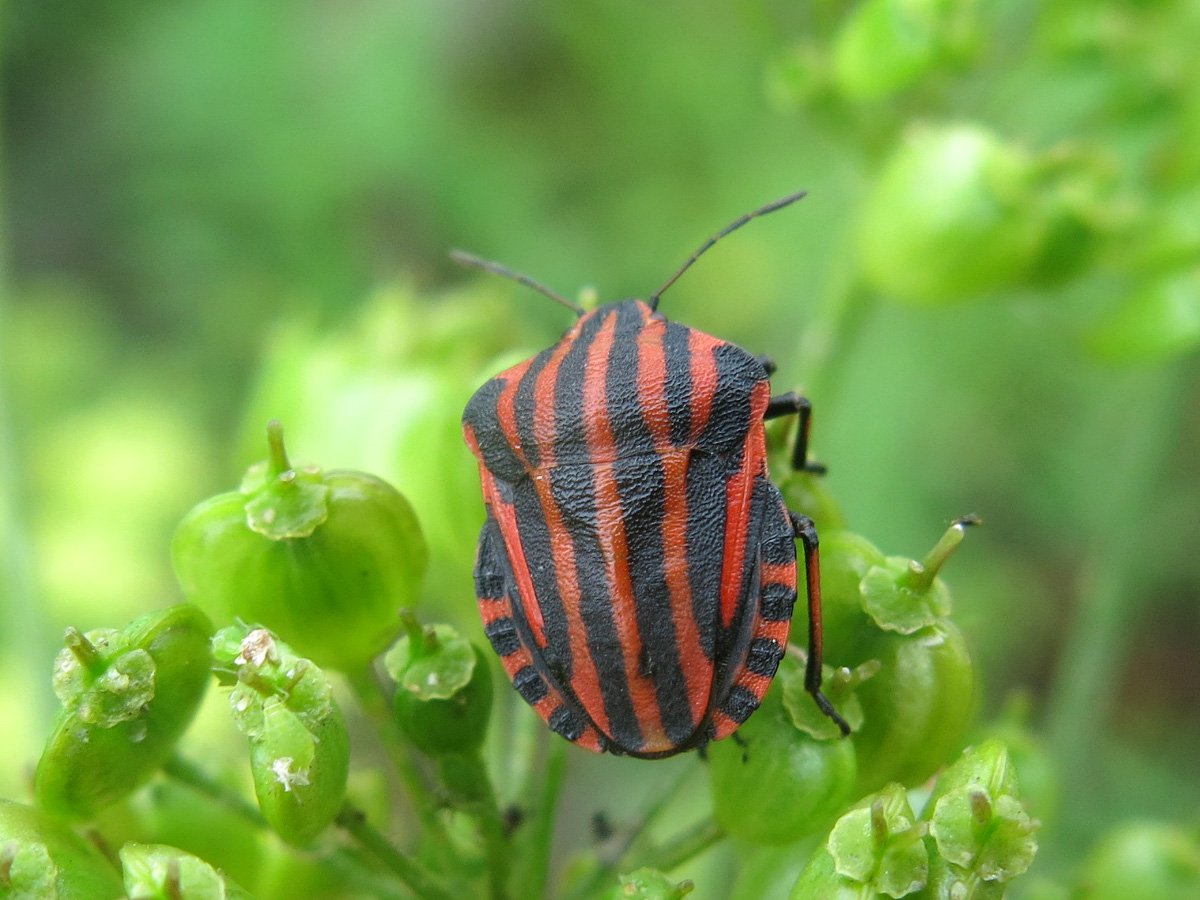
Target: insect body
637,570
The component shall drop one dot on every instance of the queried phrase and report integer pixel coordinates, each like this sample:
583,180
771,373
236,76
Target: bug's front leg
788,404
806,532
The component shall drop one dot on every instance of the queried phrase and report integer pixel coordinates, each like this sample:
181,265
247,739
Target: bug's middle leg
788,404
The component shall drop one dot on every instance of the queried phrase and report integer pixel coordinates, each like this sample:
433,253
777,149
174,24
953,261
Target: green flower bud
443,689
775,783
1155,860
887,45
879,844
650,884
953,216
324,558
299,749
127,698
917,708
42,858
159,872
982,835
820,881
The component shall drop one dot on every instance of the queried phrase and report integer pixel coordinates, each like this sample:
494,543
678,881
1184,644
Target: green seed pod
777,783
299,748
953,216
159,872
42,858
443,689
324,558
917,708
127,698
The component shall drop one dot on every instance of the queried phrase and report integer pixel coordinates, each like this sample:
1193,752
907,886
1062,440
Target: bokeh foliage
216,213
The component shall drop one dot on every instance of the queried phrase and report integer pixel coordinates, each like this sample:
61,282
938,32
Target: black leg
788,404
807,533
768,364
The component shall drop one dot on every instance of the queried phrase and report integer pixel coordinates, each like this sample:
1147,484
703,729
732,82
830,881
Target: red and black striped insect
637,570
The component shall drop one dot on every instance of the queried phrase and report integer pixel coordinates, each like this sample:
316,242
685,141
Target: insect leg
789,404
806,532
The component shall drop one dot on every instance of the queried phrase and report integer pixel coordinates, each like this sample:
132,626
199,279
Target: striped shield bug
637,570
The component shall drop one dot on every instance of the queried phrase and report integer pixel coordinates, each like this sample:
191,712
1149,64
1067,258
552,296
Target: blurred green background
219,212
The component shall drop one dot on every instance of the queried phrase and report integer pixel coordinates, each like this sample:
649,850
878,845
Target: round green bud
127,698
917,708
951,217
443,690
774,783
323,558
159,872
41,857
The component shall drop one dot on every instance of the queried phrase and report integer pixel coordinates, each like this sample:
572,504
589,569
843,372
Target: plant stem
188,773
1094,653
370,696
414,875
538,835
691,843
611,864
466,776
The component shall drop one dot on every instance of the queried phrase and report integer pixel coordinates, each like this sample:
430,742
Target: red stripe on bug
585,681
778,573
703,366
652,400
611,534
739,488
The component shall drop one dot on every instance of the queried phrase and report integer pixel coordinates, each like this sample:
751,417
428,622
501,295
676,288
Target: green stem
374,704
537,835
1111,586
466,775
188,773
277,457
414,875
633,843
690,844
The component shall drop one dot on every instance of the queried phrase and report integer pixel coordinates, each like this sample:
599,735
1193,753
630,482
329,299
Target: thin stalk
367,689
690,844
1082,695
466,775
188,773
538,833
634,839
409,871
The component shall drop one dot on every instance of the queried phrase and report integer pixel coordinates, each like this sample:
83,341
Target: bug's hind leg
806,532
788,404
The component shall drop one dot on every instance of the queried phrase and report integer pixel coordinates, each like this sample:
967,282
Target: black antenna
731,227
468,259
